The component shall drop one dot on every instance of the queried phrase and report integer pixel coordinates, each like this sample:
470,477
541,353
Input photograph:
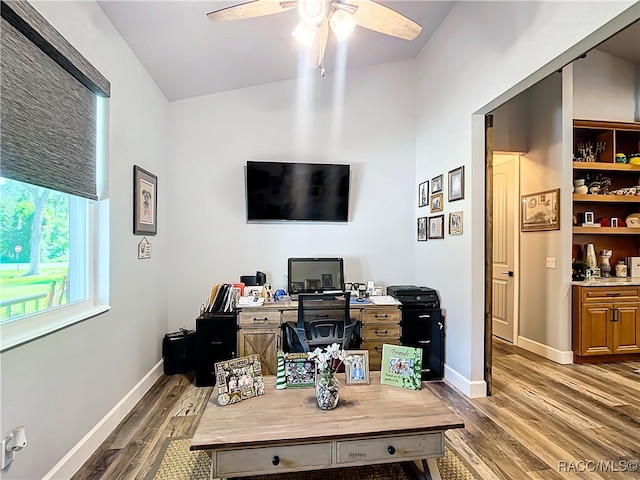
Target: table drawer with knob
376,450
255,461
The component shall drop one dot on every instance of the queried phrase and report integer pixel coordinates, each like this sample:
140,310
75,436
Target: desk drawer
380,332
261,460
396,449
258,319
381,315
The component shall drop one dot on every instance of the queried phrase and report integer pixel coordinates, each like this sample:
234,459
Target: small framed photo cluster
433,227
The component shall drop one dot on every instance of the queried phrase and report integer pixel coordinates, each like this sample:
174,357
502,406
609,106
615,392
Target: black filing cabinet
424,328
216,338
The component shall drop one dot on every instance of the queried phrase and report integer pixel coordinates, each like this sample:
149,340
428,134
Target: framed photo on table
239,379
145,199
299,370
356,371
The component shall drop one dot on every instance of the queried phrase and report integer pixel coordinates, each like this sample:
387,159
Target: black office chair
323,319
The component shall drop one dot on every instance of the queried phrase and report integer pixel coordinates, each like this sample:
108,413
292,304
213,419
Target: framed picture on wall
540,211
436,184
456,184
455,223
422,229
423,194
437,202
145,199
436,226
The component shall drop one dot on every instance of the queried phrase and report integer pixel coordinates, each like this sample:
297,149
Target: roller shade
47,109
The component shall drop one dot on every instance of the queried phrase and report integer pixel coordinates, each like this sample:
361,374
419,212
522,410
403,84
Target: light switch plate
551,262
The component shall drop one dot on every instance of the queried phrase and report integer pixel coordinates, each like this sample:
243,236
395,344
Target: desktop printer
411,295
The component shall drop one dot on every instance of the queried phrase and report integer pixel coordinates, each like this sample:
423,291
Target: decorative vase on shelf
328,392
579,187
590,255
605,268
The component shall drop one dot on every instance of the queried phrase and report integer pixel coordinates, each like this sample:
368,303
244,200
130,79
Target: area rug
177,462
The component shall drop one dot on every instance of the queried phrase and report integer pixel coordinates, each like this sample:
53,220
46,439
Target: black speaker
261,278
179,352
216,337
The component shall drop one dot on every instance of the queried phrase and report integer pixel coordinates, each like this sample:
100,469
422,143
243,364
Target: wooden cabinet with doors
379,325
606,322
611,138
260,333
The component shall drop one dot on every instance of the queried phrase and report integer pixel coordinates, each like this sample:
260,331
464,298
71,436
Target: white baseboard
80,453
558,356
472,389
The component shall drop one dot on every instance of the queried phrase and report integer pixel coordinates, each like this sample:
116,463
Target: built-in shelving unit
611,138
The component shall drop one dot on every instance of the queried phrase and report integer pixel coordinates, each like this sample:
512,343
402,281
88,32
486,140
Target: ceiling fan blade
379,18
257,8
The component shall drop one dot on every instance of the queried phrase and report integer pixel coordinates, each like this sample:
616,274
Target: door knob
509,273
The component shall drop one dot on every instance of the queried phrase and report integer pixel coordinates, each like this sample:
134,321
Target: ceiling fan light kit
318,16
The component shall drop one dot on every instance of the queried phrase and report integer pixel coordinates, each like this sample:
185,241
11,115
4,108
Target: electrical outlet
6,457
551,262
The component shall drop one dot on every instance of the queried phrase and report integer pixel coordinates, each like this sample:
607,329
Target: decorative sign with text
401,366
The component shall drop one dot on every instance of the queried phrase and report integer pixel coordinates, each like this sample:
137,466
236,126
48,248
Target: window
51,114
43,249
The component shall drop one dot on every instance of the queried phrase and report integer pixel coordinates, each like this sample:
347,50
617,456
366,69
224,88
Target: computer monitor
310,275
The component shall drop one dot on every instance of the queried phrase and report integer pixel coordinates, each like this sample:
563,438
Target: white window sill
16,332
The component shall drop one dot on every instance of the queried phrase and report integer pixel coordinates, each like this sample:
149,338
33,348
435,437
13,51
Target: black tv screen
278,191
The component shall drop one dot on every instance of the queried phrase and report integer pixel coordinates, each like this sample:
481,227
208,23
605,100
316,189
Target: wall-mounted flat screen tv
312,192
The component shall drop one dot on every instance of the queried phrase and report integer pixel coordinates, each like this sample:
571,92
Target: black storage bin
179,351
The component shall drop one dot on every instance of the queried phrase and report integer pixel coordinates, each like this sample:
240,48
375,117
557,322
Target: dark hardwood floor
543,421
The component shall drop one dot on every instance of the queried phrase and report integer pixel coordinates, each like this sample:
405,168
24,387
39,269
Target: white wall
503,44
61,385
604,88
544,308
366,120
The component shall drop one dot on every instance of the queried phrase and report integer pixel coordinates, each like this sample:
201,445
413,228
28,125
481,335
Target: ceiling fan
318,16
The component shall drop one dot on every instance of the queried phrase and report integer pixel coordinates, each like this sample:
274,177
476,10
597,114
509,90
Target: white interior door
505,236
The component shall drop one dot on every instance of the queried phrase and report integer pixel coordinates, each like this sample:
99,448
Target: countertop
609,282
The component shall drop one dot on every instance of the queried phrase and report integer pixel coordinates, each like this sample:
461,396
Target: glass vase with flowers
328,361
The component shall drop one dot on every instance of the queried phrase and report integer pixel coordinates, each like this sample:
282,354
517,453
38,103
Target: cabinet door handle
275,461
613,294
424,342
260,320
391,449
614,314
424,316
381,316
381,332
377,349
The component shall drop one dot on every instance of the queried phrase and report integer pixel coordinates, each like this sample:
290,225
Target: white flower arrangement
329,359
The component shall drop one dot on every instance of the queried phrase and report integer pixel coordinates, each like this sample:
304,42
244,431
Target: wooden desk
261,333
285,431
